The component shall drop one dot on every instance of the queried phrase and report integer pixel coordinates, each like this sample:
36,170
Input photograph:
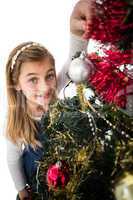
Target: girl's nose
43,87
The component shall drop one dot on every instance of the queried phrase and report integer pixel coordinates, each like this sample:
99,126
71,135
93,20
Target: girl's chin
44,105
42,109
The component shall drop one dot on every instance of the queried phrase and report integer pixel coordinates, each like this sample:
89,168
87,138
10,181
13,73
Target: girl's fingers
79,24
82,14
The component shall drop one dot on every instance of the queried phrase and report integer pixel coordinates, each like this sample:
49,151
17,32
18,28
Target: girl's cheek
29,90
55,83
31,86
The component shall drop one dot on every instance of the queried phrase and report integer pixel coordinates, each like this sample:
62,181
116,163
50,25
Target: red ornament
58,175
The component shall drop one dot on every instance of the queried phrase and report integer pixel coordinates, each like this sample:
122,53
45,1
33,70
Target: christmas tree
88,148
88,139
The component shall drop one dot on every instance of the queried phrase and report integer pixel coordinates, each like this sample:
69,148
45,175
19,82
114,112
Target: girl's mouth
41,99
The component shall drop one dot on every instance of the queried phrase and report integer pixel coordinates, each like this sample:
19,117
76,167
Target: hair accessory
14,58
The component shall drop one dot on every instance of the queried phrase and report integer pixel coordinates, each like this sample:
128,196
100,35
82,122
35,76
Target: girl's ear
17,87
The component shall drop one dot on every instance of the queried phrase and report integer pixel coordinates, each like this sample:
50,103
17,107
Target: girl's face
37,81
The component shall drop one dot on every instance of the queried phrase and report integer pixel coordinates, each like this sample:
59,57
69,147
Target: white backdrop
44,21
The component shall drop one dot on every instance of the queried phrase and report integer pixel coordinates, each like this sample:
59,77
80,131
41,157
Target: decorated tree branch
88,147
112,28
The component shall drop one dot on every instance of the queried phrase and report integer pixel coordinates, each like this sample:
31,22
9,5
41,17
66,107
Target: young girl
31,86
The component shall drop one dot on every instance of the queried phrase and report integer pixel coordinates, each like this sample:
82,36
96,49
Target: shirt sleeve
14,161
76,44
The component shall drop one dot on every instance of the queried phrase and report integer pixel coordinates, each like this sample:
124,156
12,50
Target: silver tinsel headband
14,58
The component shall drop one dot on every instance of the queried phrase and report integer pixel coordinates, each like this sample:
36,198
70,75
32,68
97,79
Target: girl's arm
14,154
76,44
82,13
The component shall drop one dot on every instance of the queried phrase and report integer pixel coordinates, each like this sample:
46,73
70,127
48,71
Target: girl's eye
33,80
50,76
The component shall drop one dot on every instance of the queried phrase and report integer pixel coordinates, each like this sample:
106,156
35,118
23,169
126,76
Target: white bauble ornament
88,93
124,188
80,69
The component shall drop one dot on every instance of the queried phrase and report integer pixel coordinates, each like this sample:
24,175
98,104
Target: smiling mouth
41,98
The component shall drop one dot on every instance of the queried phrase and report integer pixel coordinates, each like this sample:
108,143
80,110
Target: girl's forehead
38,67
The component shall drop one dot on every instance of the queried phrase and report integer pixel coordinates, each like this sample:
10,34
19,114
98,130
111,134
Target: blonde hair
20,126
